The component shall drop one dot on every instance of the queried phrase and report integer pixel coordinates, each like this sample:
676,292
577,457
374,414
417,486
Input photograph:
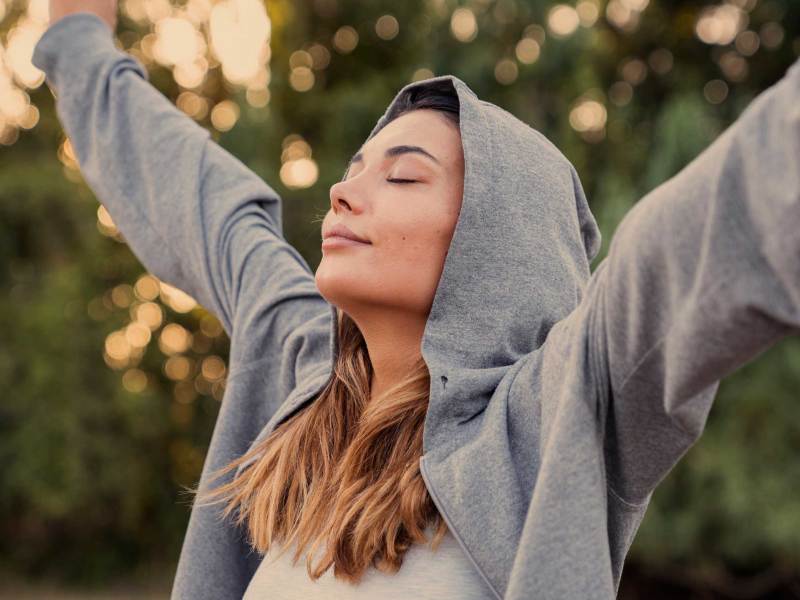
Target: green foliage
87,465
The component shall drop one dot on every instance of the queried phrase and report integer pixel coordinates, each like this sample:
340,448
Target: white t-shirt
443,574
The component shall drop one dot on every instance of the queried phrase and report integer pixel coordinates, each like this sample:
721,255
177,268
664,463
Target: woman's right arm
192,213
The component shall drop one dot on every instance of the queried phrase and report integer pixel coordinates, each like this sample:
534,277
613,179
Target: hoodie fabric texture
559,398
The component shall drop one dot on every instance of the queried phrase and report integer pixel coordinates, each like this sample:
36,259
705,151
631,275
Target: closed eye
401,181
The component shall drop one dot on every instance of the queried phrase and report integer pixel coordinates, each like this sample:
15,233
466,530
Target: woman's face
406,204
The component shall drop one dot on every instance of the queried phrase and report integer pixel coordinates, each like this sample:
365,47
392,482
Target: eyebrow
394,151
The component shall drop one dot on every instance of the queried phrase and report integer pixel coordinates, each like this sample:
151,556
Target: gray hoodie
559,398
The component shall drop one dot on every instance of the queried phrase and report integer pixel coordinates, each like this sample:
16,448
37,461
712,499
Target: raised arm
702,275
194,215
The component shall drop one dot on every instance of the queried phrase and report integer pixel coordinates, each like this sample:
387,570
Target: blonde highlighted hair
341,473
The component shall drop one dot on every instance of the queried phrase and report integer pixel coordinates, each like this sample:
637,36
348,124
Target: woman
460,371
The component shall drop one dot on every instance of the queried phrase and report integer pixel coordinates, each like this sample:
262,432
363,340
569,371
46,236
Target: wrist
106,10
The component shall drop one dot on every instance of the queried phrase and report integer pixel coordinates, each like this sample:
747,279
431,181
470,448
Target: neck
394,345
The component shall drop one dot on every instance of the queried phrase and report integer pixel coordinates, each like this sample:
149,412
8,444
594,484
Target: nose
344,195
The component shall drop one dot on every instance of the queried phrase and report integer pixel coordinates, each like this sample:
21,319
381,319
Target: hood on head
519,258
517,264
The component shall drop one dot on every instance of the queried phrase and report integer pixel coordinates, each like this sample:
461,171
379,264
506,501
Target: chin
335,285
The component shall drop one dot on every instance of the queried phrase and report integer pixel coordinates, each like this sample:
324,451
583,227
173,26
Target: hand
105,9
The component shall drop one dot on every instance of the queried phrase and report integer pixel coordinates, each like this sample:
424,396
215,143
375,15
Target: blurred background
112,379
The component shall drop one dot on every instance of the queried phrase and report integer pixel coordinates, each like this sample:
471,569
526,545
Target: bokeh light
122,295
176,299
422,73
463,24
137,334
149,314
301,79
174,339
720,24
177,41
660,60
535,32
633,70
588,117
320,56
563,20
298,169
190,39
387,27
178,367
240,34
588,12
620,93
224,115
506,71
134,380
527,51
715,91
771,34
747,43
213,368
345,39
625,14
117,346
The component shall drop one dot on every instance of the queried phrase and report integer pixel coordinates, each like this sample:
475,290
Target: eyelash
402,181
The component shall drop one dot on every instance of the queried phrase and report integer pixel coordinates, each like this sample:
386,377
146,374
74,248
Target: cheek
419,244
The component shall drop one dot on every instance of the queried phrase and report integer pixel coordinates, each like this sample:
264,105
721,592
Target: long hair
343,472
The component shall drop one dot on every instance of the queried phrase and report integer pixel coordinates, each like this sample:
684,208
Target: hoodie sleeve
702,276
193,214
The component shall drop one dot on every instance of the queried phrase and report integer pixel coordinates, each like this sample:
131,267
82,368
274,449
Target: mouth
338,241
340,231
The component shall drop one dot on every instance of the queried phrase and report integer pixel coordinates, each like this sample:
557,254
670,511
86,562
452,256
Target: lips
340,230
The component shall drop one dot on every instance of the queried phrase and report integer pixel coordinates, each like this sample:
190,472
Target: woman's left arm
702,276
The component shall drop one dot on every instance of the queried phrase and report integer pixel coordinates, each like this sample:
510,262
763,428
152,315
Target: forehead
422,127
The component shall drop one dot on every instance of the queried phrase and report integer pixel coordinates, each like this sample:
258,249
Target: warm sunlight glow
177,41
240,32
